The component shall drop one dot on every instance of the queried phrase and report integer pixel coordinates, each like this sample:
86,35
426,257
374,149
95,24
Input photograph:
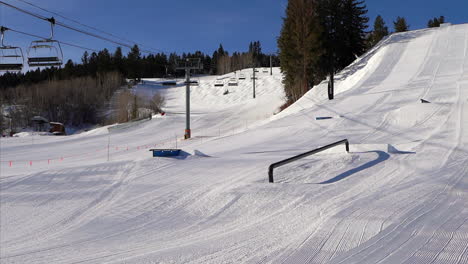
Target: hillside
399,196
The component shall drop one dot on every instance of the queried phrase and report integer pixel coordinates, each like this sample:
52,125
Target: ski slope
399,196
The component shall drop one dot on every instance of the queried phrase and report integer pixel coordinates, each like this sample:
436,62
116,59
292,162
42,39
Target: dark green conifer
300,47
401,25
380,31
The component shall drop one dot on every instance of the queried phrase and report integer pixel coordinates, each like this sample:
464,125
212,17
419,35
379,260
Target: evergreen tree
172,63
344,24
104,61
352,33
133,63
221,51
300,47
255,48
67,72
431,23
436,22
93,64
118,61
85,58
441,20
214,62
380,31
401,25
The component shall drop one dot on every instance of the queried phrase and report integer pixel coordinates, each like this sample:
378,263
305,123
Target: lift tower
187,65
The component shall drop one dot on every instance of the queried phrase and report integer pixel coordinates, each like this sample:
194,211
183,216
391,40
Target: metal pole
331,83
271,66
108,148
187,93
331,86
2,30
254,81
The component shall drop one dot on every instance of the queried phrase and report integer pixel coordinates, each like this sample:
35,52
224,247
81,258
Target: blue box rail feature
303,155
165,152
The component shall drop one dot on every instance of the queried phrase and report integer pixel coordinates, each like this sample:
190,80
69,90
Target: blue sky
188,25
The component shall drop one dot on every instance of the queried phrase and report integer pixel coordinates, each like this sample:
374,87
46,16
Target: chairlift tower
187,65
253,79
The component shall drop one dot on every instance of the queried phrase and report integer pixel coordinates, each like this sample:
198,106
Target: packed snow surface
399,196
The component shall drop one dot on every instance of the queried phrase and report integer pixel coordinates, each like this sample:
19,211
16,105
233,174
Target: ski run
399,196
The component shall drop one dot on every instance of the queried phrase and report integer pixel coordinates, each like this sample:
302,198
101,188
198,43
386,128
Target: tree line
223,63
135,66
400,25
77,93
75,101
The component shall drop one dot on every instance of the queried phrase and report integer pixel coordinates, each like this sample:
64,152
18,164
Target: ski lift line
61,42
25,11
63,25
72,28
87,26
75,21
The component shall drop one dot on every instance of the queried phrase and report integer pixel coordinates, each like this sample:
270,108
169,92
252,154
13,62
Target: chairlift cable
72,28
24,11
61,42
74,21
87,26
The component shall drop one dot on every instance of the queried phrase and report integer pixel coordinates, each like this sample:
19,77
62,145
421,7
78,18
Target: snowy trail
400,196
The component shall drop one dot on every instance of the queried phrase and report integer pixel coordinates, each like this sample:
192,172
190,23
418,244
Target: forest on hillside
318,39
77,93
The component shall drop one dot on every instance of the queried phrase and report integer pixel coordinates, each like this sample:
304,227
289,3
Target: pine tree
436,22
134,62
351,32
441,20
401,25
430,23
300,47
344,36
214,62
93,64
85,58
104,61
380,31
255,48
221,51
118,61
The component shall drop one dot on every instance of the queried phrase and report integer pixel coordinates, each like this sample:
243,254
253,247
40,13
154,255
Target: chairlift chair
233,82
45,52
11,58
219,83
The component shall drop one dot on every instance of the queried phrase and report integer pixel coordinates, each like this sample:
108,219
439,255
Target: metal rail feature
303,155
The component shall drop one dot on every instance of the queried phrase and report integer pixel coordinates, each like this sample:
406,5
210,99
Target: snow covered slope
400,196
